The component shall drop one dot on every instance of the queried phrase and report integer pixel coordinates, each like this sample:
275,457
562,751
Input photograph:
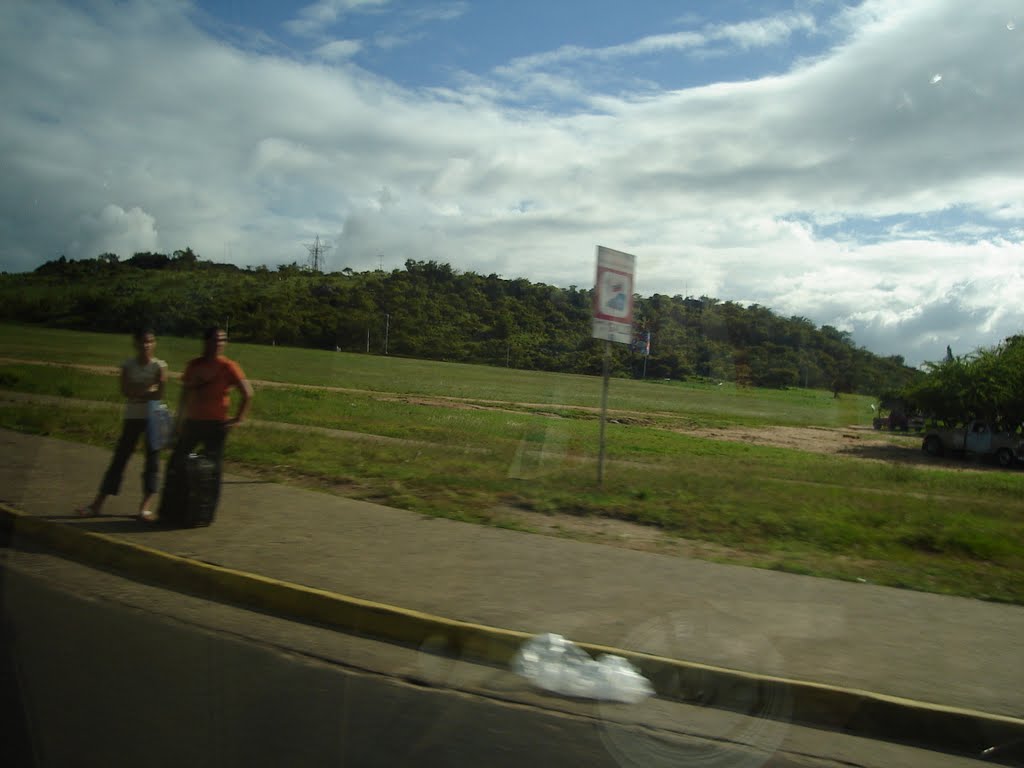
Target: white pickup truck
979,438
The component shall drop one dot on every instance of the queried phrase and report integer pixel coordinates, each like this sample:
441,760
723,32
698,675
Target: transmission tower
317,254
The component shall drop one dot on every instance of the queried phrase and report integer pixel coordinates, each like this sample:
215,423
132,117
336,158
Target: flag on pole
642,343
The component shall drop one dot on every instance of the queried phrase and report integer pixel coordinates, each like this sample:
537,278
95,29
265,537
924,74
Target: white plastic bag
555,664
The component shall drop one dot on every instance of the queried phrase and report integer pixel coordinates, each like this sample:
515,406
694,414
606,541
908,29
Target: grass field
706,403
473,442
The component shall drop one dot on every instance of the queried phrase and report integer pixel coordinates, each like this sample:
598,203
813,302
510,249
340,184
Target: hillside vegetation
431,311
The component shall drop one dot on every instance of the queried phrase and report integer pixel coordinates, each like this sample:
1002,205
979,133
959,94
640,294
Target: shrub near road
447,440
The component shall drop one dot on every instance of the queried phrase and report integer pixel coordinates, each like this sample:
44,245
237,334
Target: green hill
431,311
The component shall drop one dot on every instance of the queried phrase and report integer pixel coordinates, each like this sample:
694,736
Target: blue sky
612,45
857,163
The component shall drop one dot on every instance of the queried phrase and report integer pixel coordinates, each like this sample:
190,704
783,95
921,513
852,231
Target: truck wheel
932,445
1004,457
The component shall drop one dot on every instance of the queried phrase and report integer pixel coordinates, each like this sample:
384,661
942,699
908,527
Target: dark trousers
131,431
210,434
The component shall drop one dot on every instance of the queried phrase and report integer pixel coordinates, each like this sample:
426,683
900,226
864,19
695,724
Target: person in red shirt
206,388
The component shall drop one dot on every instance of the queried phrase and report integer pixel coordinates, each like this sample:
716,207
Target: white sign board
613,296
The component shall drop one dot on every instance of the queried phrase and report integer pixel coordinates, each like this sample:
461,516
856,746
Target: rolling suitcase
189,498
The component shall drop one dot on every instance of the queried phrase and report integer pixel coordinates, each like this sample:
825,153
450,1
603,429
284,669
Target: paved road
108,672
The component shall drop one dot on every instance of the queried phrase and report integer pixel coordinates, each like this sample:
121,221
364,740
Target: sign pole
613,320
604,411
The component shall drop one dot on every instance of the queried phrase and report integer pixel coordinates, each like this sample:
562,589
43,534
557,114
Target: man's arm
245,399
182,401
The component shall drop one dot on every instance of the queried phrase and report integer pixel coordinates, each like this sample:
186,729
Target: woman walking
143,379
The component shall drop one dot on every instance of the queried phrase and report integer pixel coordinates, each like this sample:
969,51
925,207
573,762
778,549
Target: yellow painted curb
850,711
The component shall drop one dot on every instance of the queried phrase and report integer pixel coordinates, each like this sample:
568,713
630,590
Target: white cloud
322,15
126,128
339,50
441,12
387,42
115,230
763,32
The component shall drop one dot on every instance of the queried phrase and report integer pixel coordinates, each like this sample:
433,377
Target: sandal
147,516
87,511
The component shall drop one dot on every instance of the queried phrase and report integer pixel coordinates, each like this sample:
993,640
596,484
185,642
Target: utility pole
317,254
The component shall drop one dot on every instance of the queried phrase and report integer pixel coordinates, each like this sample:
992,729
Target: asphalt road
100,671
108,685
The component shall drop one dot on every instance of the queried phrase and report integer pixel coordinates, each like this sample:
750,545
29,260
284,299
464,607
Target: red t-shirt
208,383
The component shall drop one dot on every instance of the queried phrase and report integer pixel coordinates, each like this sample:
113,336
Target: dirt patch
435,402
646,538
841,441
858,442
618,533
112,370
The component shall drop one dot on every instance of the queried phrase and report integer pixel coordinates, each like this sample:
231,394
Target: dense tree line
429,310
988,384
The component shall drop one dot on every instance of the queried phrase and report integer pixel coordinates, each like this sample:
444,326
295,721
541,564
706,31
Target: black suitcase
189,497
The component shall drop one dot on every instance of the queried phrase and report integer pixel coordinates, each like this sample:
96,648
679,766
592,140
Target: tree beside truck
979,398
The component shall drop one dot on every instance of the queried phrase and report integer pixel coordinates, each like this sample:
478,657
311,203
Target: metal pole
604,411
387,330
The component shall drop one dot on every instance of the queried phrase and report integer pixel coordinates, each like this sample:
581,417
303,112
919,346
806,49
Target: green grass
710,403
939,530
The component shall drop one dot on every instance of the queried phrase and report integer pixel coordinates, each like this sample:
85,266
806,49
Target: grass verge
949,532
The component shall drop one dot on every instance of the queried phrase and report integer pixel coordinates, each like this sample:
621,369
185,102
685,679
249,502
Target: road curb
850,711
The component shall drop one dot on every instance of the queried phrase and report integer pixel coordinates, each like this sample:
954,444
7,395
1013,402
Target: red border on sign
627,312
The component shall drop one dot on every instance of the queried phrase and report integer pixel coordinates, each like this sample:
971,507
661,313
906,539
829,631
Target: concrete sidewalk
949,651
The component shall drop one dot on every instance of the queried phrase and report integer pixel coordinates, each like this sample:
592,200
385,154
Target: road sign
613,319
613,296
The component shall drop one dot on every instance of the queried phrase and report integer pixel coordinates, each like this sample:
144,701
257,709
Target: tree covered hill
429,310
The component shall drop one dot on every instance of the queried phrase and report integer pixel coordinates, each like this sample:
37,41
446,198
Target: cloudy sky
860,164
